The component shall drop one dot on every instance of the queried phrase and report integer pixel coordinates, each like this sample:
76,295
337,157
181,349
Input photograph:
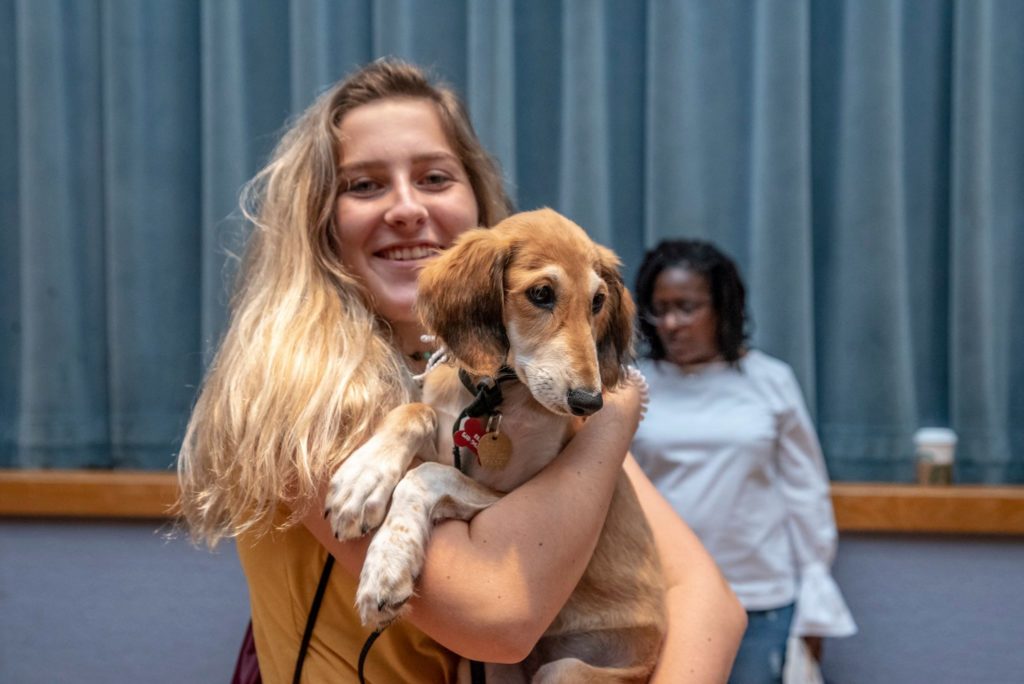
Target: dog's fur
480,299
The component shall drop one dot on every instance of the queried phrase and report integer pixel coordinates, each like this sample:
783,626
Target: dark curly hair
728,294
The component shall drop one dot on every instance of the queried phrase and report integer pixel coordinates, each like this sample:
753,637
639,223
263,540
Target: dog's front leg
361,487
426,494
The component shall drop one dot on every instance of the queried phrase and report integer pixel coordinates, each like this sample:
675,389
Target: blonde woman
380,173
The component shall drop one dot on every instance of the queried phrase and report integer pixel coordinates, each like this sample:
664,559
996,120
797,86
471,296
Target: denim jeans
763,649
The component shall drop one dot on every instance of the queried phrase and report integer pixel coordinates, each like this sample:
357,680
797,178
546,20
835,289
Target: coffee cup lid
935,435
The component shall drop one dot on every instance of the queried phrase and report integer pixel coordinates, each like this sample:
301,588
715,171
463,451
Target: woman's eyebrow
373,164
434,156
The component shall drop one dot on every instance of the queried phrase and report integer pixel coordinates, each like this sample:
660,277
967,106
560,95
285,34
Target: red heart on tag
469,434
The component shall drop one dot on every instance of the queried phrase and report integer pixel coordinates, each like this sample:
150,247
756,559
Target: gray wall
933,610
118,602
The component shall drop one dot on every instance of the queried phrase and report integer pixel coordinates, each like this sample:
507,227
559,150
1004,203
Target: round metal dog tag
494,450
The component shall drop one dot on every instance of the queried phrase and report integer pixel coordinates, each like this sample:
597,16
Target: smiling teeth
409,253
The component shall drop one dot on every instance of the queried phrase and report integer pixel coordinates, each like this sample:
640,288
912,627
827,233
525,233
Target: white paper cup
935,448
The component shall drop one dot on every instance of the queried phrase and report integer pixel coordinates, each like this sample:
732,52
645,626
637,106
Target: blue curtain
863,160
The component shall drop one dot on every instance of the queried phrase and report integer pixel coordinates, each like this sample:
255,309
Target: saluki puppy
534,315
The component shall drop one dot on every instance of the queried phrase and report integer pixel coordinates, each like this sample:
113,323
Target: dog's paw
388,579
360,489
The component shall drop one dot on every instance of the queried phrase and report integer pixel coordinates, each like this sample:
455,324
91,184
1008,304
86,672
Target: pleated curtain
863,160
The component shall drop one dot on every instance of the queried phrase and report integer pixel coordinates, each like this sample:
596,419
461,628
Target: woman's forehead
676,281
384,129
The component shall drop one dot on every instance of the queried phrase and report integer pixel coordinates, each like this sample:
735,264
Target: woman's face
685,317
404,197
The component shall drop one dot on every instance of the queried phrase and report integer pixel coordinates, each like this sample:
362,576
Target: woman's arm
705,620
490,587
803,482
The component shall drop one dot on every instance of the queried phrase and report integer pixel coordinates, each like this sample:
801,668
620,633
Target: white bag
801,667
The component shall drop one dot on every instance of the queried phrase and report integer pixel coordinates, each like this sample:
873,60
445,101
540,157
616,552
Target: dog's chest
536,436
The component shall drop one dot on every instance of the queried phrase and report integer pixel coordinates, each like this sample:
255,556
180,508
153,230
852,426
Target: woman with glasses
728,441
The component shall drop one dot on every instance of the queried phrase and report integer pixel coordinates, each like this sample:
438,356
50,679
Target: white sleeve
804,483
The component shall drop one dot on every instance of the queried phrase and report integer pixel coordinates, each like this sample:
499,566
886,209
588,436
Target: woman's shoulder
774,375
646,365
651,368
757,362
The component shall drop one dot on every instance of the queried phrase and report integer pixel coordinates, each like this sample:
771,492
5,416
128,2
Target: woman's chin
398,310
689,357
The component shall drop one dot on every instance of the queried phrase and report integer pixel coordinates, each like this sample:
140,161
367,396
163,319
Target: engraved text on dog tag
494,450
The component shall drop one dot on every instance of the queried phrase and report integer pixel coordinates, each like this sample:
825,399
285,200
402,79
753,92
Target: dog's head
534,293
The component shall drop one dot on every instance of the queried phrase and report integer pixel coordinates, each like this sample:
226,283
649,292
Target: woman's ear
615,340
461,300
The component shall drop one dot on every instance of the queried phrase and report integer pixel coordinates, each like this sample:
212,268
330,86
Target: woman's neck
406,337
692,365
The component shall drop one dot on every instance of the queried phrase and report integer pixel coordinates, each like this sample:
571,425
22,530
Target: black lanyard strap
314,610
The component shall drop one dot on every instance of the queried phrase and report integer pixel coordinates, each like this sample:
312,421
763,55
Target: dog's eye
542,296
598,303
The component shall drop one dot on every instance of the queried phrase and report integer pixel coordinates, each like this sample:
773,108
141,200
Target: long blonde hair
306,369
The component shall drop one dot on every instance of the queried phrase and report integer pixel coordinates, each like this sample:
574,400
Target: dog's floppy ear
461,298
615,339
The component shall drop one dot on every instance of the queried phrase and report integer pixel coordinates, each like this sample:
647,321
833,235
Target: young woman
377,176
727,439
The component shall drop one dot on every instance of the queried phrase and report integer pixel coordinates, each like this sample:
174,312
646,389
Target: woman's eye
598,303
541,296
435,179
362,187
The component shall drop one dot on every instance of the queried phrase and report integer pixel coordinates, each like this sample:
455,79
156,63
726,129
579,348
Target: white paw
393,563
360,490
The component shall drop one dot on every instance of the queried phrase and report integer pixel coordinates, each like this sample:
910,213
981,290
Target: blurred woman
728,441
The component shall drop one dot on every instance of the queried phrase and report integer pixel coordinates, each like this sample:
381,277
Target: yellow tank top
283,569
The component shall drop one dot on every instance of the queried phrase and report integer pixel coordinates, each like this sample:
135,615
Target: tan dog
535,294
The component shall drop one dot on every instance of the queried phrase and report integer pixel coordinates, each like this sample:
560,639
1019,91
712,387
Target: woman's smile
409,253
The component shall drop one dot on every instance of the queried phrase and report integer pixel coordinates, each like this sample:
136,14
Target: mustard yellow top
283,569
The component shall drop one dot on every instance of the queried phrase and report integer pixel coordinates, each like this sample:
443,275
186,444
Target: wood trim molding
87,493
859,507
959,509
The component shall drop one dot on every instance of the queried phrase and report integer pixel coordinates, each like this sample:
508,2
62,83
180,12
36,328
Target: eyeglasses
684,309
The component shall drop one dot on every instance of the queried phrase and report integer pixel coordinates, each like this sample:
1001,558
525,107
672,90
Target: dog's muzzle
583,403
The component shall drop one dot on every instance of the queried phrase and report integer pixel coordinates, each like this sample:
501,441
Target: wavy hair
728,294
306,369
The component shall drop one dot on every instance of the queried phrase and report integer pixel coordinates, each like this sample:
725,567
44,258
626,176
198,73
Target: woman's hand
625,403
814,646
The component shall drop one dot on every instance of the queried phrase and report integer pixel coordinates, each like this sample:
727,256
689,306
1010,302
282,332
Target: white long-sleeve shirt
735,452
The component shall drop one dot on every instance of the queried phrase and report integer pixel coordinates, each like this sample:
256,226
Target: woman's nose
406,211
674,319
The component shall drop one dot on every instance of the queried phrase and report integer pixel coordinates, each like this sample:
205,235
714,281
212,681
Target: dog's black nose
583,403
